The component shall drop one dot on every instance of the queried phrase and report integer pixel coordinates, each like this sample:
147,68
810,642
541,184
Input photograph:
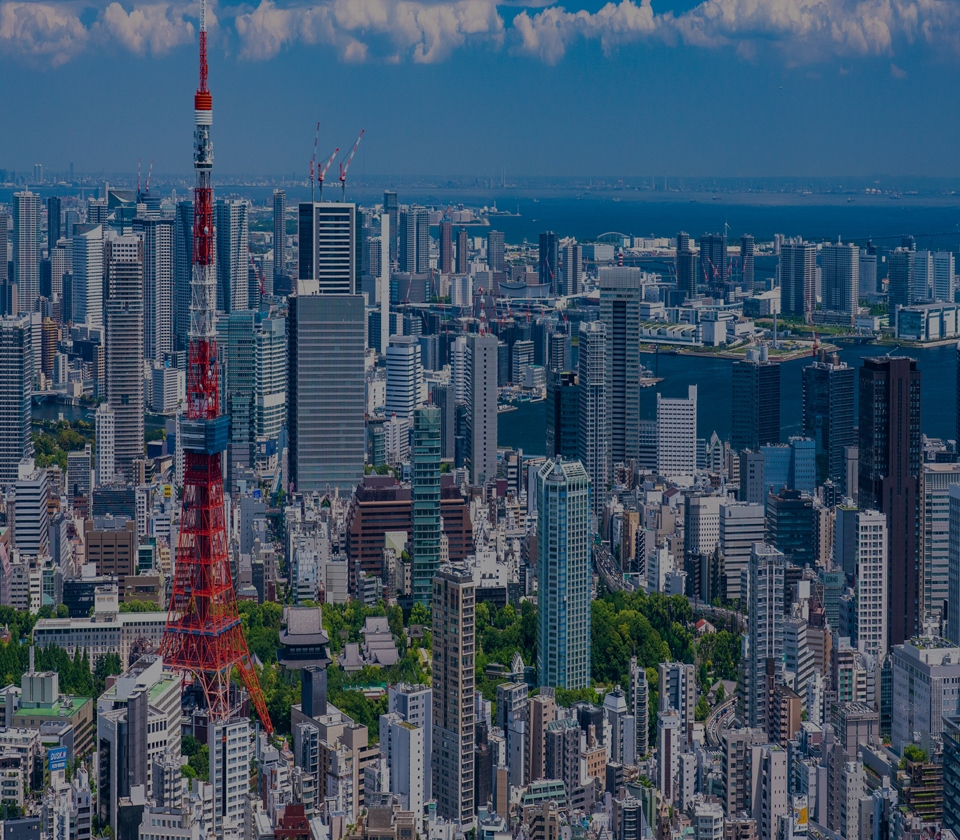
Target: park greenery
54,439
654,628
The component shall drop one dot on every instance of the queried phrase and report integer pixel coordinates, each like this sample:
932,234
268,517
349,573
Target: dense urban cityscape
358,520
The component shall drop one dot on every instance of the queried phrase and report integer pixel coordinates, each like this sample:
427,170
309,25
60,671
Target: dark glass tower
549,259
828,391
889,469
756,404
563,414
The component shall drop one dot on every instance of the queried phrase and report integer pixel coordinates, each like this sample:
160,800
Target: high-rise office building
889,476
871,583
157,235
828,393
325,392
748,250
106,442
391,207
686,267
182,273
482,407
900,268
237,345
425,487
26,249
563,575
404,376
756,402
639,705
279,236
571,270
414,253
921,287
549,260
840,283
621,293
765,630
677,689
446,246
677,436
741,525
944,273
124,347
953,569
463,252
16,391
713,260
54,221
329,243
88,275
270,377
592,436
496,251
869,277
798,278
563,414
454,679
935,481
232,222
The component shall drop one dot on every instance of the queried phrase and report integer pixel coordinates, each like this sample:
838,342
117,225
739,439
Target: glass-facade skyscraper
563,575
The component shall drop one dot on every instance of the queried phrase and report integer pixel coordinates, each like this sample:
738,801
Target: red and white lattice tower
204,637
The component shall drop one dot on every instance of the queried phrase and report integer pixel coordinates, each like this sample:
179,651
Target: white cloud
155,28
546,34
423,32
41,31
804,31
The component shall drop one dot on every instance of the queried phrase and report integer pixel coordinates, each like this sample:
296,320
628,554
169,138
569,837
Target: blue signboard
57,758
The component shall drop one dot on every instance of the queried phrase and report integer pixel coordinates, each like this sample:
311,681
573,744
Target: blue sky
465,87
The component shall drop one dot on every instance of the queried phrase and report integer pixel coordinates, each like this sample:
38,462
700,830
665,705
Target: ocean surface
526,427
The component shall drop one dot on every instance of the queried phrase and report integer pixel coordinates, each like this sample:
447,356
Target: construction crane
313,160
345,166
322,173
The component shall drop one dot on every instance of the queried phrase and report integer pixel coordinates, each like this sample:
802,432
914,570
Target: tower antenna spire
203,637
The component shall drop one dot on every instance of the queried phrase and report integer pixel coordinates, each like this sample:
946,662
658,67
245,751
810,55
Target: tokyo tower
204,637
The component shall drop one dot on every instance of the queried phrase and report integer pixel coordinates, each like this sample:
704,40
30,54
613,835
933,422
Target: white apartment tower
482,408
765,630
124,347
88,275
404,376
872,583
106,442
677,437
593,438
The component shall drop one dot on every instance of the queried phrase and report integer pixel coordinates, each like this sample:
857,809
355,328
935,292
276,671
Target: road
719,720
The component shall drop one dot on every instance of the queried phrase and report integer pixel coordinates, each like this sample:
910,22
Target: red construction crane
203,638
322,172
345,166
313,160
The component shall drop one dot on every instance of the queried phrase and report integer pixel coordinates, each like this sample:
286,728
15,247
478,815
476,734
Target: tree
140,607
63,611
702,711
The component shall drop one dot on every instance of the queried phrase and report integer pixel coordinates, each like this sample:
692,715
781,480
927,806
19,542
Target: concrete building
756,402
678,690
798,273
592,439
563,573
124,348
840,267
325,393
106,441
403,747
926,676
404,376
26,249
454,650
741,524
426,518
482,407
765,630
16,390
935,481
621,293
677,437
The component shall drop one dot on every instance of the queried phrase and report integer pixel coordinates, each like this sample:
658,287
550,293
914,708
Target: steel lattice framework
204,637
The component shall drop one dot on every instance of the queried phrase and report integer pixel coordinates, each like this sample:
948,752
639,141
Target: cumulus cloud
803,31
47,32
423,32
155,28
546,34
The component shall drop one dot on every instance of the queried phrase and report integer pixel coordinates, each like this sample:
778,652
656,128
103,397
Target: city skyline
374,66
